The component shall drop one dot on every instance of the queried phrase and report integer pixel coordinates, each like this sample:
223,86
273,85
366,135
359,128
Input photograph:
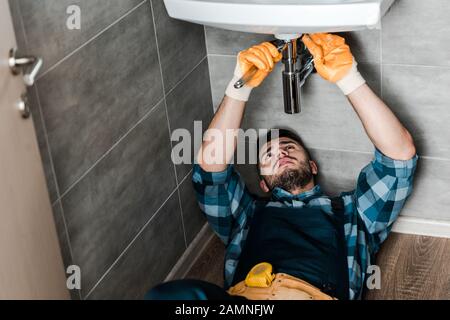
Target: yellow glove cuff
242,94
352,81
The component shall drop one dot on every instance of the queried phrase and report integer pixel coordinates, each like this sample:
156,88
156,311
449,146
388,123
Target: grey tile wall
64,242
193,218
420,96
190,102
132,181
406,62
42,142
103,109
47,35
366,45
226,42
149,258
416,32
121,82
181,45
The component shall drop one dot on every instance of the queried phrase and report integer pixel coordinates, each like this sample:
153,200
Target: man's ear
263,185
314,167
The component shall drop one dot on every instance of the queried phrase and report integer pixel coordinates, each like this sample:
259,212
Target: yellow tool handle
260,276
279,44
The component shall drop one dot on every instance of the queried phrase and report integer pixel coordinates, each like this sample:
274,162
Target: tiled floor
412,267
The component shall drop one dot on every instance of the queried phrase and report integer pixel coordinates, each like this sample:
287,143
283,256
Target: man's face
285,164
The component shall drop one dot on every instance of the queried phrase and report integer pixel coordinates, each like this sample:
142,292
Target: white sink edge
333,17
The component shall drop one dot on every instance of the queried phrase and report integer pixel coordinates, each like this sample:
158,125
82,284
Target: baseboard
191,254
423,227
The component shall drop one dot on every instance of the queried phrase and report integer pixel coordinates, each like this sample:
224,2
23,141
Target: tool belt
262,284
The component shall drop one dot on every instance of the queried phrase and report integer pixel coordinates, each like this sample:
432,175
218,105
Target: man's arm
220,191
231,111
217,185
385,184
382,126
228,117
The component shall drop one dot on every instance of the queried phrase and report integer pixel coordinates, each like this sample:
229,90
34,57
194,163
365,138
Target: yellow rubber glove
334,61
264,57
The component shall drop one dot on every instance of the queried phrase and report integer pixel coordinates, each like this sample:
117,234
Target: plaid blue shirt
370,211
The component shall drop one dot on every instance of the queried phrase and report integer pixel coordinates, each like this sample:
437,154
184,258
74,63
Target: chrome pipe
291,79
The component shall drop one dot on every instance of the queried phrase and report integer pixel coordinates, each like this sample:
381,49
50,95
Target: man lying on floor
301,244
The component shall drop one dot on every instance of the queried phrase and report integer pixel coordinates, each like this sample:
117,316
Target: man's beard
291,179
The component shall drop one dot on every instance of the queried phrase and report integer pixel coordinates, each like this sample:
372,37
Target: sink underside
281,17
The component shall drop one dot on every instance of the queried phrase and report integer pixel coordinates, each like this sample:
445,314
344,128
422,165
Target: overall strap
338,206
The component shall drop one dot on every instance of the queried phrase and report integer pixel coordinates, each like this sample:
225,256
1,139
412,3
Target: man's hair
282,133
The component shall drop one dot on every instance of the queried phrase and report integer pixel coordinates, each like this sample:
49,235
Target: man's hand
263,57
334,61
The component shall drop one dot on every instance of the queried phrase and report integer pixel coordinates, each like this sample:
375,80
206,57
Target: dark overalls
306,243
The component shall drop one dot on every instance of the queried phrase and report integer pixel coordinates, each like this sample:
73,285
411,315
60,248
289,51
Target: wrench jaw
306,63
298,66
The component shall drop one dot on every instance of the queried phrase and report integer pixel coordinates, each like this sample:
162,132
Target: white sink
284,18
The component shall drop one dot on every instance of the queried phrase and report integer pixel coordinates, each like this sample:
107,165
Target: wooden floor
209,267
412,267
